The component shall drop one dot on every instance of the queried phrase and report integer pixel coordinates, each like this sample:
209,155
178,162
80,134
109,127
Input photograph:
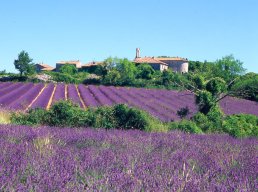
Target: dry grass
5,117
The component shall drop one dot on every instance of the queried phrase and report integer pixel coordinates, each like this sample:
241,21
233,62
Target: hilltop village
176,64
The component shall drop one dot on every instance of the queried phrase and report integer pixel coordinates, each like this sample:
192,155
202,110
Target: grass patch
5,117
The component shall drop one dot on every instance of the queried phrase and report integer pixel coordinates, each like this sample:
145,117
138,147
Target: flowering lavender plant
53,159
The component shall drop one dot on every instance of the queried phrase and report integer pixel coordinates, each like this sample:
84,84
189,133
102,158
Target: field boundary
79,94
66,92
51,98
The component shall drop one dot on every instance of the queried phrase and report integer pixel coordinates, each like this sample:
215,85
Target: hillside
162,104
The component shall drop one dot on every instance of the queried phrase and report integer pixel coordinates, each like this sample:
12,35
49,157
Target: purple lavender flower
65,159
44,97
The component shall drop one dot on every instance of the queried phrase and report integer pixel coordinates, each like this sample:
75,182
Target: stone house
176,64
40,67
156,64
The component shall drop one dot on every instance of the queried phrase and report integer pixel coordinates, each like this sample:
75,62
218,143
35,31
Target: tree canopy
68,69
24,63
228,68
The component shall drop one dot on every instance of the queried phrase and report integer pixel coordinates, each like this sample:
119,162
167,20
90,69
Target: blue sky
53,30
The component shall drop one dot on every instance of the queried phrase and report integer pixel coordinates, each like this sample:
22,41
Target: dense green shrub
68,114
242,125
63,77
131,118
104,117
215,117
202,121
36,117
210,123
65,113
186,126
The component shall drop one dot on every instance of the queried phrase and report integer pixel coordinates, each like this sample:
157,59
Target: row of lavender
162,104
47,159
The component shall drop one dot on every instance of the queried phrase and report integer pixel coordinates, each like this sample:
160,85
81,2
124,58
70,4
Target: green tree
246,87
127,71
24,63
205,101
110,63
112,77
198,81
228,68
145,71
167,77
68,69
216,86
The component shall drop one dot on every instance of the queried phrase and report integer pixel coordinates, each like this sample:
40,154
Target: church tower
137,53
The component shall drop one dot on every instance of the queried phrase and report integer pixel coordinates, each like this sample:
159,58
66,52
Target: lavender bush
73,95
44,98
59,93
47,159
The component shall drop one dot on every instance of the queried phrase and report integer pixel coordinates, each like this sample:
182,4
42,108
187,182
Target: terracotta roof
45,65
170,58
148,60
48,69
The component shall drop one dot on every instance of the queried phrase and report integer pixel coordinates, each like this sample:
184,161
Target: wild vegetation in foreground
54,159
68,114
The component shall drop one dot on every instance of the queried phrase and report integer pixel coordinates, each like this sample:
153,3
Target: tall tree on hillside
228,68
24,63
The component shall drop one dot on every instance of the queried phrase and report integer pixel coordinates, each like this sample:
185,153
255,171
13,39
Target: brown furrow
66,92
51,98
79,94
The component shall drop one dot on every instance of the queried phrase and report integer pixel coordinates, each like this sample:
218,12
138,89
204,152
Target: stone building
177,64
40,67
156,64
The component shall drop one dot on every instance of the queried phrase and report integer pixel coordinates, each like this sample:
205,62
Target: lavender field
162,104
53,159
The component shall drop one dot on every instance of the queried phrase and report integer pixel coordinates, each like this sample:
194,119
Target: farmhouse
156,64
177,64
43,67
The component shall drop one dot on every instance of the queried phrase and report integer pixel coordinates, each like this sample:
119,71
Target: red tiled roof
45,65
48,69
148,60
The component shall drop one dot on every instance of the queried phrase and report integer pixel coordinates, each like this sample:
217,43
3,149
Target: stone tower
137,53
